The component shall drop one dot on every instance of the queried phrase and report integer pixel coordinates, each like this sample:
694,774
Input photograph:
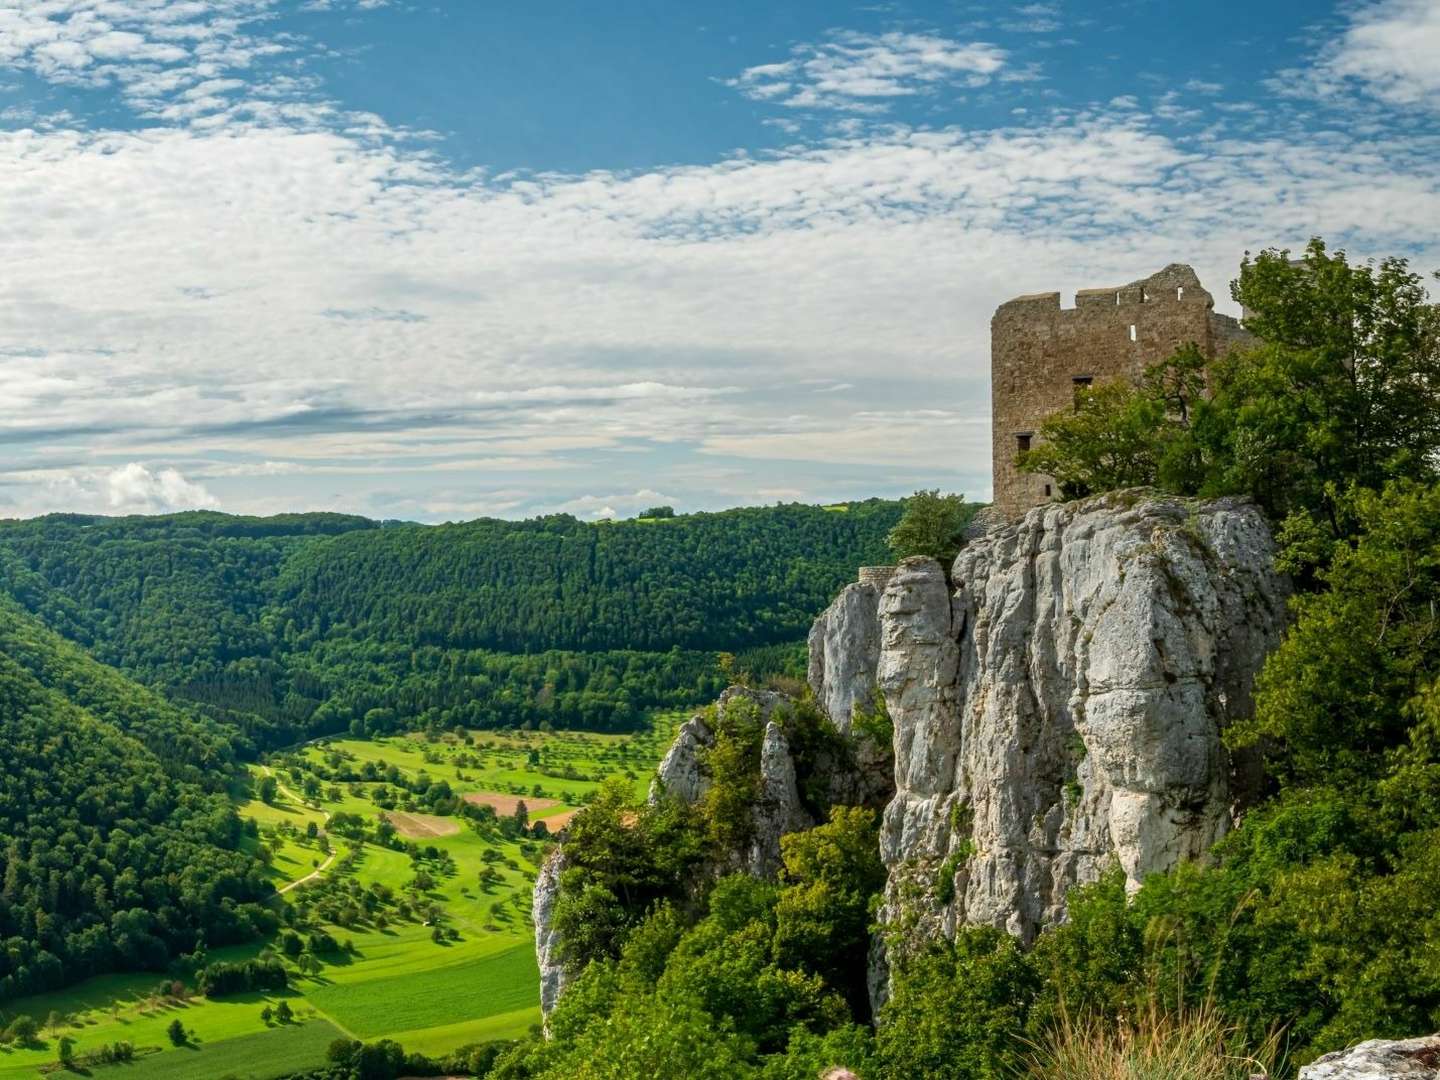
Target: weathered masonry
1041,353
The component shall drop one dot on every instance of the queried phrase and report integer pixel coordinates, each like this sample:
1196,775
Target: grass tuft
1158,1044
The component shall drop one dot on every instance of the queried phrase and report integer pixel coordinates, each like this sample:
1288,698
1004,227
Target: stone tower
1041,353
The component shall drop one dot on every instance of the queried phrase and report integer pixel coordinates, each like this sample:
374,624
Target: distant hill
303,624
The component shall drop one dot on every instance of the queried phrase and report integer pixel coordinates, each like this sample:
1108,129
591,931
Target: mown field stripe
504,982
261,1056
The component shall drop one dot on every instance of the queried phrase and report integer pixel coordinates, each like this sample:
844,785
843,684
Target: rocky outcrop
681,772
844,651
778,809
1058,709
1379,1059
844,661
547,941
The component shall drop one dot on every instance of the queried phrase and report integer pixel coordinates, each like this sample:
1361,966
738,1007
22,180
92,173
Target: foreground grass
1195,1044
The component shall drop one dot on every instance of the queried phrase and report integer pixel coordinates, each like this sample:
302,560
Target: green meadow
391,978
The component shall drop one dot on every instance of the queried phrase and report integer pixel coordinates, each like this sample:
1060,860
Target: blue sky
436,261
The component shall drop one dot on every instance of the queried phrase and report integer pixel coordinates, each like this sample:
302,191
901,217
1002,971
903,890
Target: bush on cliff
933,525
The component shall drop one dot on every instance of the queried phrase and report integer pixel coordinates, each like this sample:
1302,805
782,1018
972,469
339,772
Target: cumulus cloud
856,72
135,489
1391,49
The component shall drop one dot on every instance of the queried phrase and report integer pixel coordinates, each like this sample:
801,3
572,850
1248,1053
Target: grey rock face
844,653
1061,709
547,941
1379,1059
778,810
844,664
681,772
767,701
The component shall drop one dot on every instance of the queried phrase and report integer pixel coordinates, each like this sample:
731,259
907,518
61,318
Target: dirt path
308,877
280,785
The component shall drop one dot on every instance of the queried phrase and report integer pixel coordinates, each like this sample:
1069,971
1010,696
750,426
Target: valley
429,912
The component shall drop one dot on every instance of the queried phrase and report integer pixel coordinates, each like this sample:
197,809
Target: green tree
1344,388
1341,390
23,1030
933,525
1122,435
822,915
958,1009
1339,698
176,1033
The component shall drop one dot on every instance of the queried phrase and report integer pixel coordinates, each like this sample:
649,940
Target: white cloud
207,63
857,72
574,328
618,392
1392,49
134,489
1034,19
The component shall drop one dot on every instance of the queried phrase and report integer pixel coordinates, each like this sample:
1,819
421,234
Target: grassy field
502,983
394,979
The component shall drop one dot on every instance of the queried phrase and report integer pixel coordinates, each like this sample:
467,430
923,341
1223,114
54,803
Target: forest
308,624
121,849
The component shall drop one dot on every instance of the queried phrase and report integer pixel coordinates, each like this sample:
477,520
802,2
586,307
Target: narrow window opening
1180,292
1082,380
1117,299
1047,491
1132,332
1022,443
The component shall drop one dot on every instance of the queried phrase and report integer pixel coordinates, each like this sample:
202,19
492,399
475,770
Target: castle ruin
1041,354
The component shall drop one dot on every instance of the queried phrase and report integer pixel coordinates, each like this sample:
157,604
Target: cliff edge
1058,701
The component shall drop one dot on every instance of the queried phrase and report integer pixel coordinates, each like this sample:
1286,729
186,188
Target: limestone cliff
778,809
1057,705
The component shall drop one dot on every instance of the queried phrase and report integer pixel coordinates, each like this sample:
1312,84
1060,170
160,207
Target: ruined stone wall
1040,352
